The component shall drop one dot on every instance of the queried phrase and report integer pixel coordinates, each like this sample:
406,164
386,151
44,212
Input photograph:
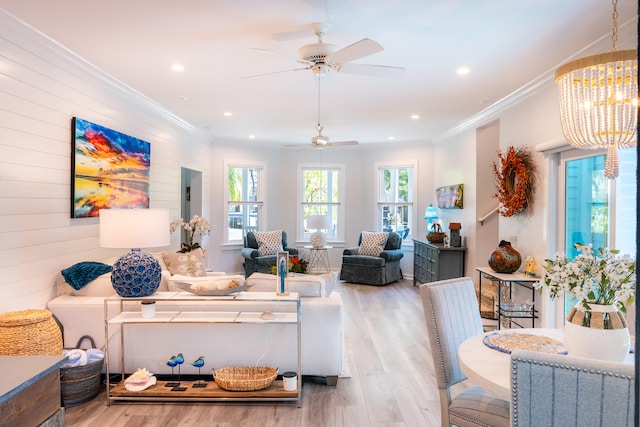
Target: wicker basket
29,333
245,378
80,384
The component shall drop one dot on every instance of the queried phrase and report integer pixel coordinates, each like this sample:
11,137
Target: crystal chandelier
599,101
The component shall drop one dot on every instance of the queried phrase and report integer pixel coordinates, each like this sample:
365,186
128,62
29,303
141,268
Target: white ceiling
505,43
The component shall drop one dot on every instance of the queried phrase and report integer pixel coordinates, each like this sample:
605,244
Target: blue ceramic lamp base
136,274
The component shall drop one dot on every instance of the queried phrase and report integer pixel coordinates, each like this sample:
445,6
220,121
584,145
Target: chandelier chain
614,32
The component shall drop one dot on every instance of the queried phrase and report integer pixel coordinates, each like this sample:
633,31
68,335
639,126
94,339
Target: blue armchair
254,262
373,270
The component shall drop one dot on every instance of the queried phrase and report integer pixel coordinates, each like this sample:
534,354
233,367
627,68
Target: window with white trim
243,199
395,197
321,189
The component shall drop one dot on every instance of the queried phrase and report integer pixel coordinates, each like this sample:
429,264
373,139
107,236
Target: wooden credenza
435,261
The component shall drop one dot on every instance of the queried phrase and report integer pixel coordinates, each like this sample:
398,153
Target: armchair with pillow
261,250
376,260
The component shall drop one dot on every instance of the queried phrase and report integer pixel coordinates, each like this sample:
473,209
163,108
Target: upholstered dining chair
452,315
557,390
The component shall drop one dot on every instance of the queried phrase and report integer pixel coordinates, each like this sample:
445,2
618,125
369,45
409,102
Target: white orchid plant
197,225
602,277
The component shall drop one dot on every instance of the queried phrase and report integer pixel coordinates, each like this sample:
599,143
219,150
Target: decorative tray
506,342
211,292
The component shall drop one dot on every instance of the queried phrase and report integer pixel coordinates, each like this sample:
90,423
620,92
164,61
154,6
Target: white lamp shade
318,222
134,228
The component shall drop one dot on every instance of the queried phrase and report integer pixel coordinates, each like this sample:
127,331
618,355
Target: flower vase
505,259
599,333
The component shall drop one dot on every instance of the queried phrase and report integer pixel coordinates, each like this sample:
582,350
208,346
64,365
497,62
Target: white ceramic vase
594,341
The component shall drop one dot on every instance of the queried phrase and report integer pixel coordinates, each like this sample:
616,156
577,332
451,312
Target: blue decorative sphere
136,274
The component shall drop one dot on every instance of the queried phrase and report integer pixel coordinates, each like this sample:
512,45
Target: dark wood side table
30,391
435,261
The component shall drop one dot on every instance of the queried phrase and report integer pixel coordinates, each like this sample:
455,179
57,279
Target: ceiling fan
322,58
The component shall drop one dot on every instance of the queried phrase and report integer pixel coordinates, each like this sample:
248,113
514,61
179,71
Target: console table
435,261
508,309
123,312
30,390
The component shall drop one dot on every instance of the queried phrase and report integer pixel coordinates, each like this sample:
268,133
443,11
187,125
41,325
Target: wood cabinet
435,261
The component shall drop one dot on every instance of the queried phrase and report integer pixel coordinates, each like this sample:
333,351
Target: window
321,189
594,209
395,198
243,200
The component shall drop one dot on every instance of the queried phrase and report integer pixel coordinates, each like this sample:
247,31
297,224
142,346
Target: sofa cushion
188,264
373,243
269,242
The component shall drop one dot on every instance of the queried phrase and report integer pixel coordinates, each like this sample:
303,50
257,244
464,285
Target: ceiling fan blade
289,57
275,72
371,70
364,47
333,144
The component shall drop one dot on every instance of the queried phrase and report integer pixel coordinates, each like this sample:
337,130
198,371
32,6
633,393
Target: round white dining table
490,368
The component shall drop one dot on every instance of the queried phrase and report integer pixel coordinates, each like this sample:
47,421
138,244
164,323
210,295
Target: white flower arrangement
197,224
593,278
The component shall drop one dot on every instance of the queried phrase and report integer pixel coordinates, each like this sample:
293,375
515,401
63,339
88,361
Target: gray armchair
254,262
373,270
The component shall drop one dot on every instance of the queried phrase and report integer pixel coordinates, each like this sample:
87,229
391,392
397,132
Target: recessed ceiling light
184,98
252,136
463,70
390,138
415,116
228,114
177,67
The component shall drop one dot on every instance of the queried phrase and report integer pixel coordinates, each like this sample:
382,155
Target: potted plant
197,225
604,284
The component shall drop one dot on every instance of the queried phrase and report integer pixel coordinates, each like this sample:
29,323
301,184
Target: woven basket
80,384
29,333
245,378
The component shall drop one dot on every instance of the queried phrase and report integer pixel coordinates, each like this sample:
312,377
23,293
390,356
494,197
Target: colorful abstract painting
109,170
450,197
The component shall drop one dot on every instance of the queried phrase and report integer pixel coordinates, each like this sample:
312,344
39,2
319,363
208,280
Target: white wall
42,86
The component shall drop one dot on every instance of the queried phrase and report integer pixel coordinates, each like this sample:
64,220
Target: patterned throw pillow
269,242
372,243
188,264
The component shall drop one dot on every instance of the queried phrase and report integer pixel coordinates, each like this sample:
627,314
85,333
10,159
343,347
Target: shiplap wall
42,86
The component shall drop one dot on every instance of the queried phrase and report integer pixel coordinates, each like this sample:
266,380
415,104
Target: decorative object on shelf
290,381
148,308
110,170
430,214
296,265
599,100
136,273
505,259
283,267
196,225
245,378
450,197
454,234
515,175
604,283
172,363
199,363
201,289
531,267
318,223
179,361
140,380
435,235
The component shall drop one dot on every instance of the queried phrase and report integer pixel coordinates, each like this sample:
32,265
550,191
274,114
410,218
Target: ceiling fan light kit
599,101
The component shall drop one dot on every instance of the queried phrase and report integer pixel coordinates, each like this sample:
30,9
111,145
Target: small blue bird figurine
199,363
172,362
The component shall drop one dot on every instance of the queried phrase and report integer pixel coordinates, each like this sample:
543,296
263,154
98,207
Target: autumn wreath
515,174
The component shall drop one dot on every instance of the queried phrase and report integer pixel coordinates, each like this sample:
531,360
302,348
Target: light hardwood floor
392,382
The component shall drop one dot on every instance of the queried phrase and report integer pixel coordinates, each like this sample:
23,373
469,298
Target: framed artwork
450,197
108,170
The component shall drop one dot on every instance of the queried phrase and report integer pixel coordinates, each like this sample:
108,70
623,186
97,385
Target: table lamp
136,273
430,214
318,222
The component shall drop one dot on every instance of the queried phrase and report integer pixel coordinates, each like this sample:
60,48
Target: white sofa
151,345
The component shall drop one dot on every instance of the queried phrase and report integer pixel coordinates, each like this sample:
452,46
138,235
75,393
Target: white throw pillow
269,242
188,264
372,243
